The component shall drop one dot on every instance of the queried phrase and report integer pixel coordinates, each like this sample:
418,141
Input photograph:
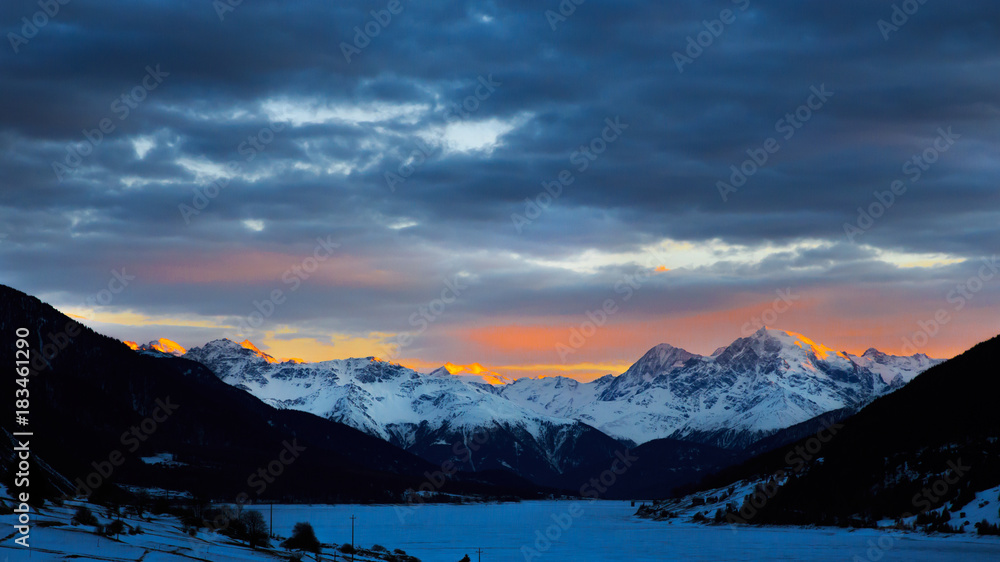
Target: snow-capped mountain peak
162,345
747,390
246,344
758,384
474,371
892,367
422,413
660,360
873,353
789,339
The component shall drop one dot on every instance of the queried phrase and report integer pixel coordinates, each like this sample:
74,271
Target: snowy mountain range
439,416
890,366
742,393
877,467
474,372
214,435
160,346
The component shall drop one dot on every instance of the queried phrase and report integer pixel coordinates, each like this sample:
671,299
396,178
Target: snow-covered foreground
608,532
162,540
598,531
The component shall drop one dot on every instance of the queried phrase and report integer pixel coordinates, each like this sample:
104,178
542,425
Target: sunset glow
564,281
377,221
246,344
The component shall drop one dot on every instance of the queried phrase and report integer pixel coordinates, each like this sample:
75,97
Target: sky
540,187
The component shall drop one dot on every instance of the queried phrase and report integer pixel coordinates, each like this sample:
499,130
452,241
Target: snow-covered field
608,532
52,537
599,531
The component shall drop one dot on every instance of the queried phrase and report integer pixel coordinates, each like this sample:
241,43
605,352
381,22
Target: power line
353,517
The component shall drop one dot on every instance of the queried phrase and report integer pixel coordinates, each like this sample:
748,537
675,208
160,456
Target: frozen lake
606,532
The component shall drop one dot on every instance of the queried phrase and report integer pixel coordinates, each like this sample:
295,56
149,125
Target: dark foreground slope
933,443
652,470
96,401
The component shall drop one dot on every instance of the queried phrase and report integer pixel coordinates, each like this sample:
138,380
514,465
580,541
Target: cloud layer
538,160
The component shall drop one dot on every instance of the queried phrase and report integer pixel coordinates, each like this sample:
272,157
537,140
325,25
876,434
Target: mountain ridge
741,393
745,392
88,388
920,457
431,415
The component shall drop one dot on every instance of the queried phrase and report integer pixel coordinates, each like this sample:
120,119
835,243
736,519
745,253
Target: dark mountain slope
934,442
652,470
797,432
95,389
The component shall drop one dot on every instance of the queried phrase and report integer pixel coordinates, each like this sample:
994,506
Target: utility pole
479,551
272,519
353,517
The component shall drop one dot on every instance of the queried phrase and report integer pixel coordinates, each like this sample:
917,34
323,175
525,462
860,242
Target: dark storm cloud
281,66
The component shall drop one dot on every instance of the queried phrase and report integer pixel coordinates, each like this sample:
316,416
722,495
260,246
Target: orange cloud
584,372
849,319
339,346
844,319
623,339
